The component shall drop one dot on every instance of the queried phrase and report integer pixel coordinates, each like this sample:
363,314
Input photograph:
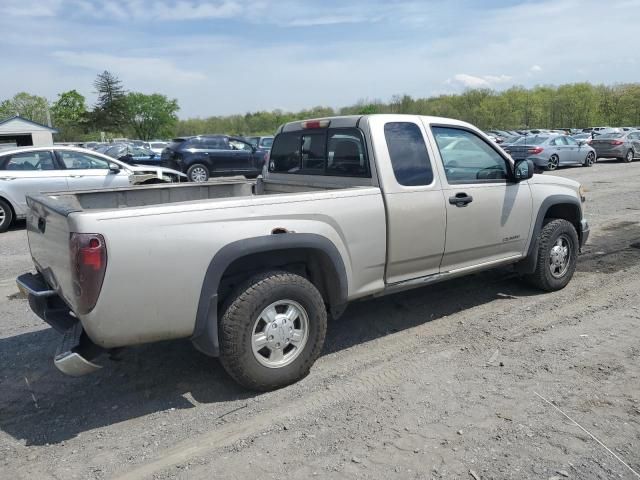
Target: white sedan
26,170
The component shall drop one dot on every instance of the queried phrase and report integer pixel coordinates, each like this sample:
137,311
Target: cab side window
28,161
467,158
408,154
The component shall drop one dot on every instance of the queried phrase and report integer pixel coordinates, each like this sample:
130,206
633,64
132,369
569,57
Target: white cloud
137,70
536,68
484,81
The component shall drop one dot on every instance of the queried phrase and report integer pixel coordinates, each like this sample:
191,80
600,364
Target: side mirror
114,168
524,170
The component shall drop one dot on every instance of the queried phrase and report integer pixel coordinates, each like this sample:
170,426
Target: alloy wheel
280,333
198,174
560,256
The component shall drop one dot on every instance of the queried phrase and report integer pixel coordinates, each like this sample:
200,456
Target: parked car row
551,149
29,170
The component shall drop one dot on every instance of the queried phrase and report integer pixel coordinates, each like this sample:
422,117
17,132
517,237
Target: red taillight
315,124
617,142
536,150
88,266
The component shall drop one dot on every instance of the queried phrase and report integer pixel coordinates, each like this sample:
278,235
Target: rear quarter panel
158,256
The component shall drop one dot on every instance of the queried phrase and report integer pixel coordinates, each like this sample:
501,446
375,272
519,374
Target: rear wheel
198,173
557,256
590,160
6,216
553,162
272,330
629,157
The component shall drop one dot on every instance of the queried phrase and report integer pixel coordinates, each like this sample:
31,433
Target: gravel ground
458,380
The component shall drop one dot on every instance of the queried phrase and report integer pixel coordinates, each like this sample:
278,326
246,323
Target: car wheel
629,157
557,256
553,162
6,216
272,330
590,160
198,173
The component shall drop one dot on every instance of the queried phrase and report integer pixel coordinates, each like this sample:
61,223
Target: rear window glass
266,142
606,136
408,154
333,152
531,140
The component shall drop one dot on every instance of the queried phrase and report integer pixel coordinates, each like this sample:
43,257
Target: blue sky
232,56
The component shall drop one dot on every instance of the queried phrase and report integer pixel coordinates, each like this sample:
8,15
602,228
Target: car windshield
267,142
531,140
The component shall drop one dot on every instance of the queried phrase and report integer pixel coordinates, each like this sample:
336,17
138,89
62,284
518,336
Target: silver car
26,170
549,151
623,146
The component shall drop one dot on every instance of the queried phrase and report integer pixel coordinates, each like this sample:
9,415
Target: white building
22,132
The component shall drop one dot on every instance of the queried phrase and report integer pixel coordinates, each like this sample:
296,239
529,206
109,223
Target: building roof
5,125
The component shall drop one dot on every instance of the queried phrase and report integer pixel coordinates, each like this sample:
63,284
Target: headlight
582,191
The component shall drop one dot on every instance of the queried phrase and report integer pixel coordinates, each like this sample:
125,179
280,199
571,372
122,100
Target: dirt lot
443,382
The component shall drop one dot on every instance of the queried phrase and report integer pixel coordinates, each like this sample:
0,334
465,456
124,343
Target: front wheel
553,163
272,330
198,173
6,216
557,256
590,160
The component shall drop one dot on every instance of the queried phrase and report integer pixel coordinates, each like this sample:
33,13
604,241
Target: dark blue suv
205,156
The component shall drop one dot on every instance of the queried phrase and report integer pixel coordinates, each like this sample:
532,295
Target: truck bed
65,203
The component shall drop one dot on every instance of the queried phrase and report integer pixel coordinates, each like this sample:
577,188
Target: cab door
488,214
416,218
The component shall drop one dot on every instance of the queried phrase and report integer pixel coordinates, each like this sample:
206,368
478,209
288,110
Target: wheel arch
310,255
554,206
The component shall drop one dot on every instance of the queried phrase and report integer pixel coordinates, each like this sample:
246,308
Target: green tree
151,116
31,107
69,114
110,111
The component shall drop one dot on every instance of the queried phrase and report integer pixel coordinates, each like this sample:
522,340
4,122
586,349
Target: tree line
137,115
116,113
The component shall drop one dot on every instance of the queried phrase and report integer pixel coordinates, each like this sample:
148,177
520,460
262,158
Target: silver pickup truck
348,208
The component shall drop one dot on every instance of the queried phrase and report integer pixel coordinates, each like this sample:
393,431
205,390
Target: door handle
7,178
461,199
76,176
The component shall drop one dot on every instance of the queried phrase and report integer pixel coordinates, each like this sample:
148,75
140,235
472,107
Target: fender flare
205,334
529,264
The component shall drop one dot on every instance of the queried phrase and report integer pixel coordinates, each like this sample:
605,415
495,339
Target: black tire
553,163
198,173
6,216
589,160
542,277
242,311
628,158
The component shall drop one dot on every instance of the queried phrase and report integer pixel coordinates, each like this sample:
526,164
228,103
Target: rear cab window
330,152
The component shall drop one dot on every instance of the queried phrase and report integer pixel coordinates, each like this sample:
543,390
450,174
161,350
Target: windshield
267,142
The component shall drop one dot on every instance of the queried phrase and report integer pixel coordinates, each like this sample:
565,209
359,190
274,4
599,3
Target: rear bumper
76,351
610,151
